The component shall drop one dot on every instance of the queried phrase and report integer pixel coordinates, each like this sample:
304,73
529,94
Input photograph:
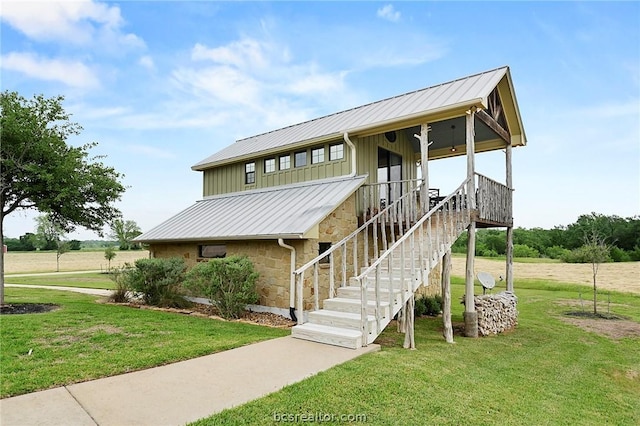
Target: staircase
359,309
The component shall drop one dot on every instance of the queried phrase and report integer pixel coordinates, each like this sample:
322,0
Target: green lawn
86,340
545,372
86,280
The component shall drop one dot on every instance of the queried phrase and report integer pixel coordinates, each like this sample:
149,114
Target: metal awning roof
430,102
290,211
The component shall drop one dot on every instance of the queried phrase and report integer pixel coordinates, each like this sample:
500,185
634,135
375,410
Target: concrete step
353,292
353,306
339,319
336,336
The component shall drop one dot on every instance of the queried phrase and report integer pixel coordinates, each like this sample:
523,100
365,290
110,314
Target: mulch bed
27,308
201,310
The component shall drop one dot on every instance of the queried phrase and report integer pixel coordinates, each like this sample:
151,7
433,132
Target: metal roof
469,90
288,211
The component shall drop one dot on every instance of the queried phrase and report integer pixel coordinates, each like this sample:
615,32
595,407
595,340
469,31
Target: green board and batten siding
231,177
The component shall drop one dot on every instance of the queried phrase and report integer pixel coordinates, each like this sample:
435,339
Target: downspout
292,284
353,154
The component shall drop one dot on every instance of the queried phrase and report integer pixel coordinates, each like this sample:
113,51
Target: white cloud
71,73
78,22
147,62
389,13
243,53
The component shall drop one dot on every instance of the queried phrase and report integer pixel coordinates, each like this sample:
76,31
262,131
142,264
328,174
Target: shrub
523,250
158,280
428,305
581,255
634,254
121,292
556,252
619,255
229,284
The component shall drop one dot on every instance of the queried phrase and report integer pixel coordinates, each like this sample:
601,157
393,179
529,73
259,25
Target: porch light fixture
453,148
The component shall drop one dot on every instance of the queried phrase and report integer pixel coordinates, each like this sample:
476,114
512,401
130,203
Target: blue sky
161,85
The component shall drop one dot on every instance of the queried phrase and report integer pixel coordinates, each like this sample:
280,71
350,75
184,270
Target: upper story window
250,173
336,152
301,159
285,162
270,165
317,155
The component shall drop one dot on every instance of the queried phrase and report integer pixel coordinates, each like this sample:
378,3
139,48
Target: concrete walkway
179,393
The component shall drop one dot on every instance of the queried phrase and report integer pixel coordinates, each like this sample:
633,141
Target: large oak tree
40,170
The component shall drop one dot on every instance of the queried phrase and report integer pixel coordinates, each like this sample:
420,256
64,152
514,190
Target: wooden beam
494,125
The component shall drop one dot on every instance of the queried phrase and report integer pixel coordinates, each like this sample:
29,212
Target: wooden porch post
424,166
470,314
509,182
446,297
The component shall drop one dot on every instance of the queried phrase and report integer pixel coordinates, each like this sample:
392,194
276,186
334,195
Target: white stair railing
404,210
444,223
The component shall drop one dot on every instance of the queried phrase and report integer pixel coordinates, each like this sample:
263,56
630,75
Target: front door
389,170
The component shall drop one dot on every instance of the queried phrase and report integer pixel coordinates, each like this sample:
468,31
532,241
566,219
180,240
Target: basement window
250,173
212,251
323,248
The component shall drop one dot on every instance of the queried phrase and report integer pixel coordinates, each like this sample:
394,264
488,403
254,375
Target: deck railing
494,201
417,251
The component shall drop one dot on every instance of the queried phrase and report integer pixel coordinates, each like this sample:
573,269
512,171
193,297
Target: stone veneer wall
272,262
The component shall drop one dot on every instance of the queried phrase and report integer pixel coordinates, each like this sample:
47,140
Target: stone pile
496,312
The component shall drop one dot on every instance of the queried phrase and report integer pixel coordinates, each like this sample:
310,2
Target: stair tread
340,314
355,301
329,329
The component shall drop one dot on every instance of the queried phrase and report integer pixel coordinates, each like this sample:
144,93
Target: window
270,165
301,159
212,251
317,155
336,152
322,248
285,162
250,173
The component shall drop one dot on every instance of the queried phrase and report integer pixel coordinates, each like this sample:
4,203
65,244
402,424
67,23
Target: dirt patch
27,308
618,276
611,328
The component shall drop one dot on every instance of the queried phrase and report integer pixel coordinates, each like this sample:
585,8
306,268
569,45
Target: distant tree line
566,243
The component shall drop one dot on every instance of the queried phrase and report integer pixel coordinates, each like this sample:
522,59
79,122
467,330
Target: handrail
456,202
382,216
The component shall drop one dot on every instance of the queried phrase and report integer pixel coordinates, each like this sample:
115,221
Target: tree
109,254
39,170
596,251
48,233
125,231
50,236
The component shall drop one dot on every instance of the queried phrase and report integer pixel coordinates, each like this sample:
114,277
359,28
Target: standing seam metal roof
456,92
278,212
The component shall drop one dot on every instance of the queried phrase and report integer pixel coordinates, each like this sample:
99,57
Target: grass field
85,280
547,371
34,261
85,340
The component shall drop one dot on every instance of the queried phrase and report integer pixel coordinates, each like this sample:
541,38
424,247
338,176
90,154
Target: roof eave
437,114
